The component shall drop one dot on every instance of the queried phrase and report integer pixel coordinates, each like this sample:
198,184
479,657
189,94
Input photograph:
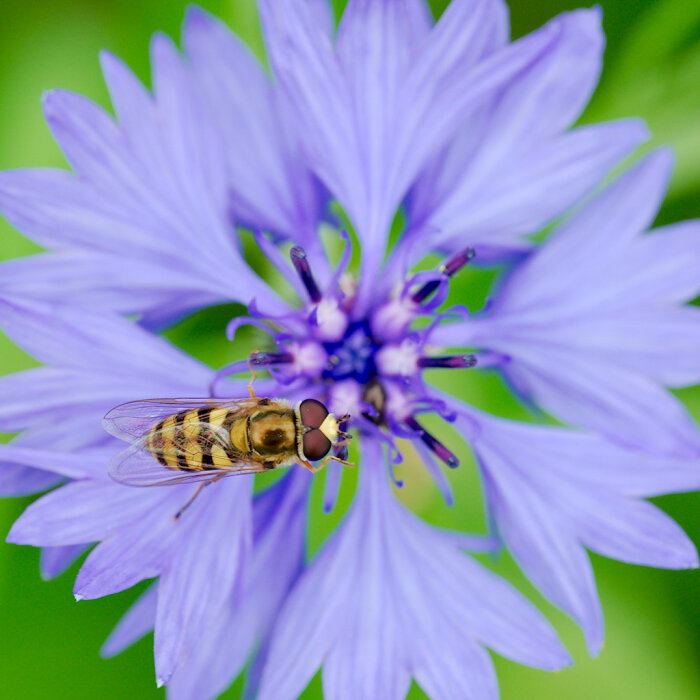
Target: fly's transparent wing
139,464
132,420
136,467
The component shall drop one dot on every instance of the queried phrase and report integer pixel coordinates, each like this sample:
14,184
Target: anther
432,443
298,255
271,358
450,361
456,263
452,266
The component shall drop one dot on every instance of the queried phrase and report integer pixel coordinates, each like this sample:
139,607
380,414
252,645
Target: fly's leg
334,458
307,465
253,373
196,493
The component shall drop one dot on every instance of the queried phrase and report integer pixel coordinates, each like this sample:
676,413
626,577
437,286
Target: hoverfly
177,441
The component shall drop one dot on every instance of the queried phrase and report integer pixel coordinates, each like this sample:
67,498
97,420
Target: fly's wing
138,465
132,420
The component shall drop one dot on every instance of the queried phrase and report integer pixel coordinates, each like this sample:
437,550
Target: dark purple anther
451,361
456,263
432,443
271,358
298,255
452,266
425,291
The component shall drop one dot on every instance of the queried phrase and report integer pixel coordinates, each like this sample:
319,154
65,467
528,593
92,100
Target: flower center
354,356
369,368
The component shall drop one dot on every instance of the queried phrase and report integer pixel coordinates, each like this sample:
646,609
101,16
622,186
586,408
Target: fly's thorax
272,432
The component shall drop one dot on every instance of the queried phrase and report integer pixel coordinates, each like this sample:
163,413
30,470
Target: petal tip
110,63
161,46
563,660
12,536
637,129
197,17
50,102
594,645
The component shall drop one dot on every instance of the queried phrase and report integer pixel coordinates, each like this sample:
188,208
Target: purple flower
470,136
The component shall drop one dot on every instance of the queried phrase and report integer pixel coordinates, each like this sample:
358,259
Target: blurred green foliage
49,645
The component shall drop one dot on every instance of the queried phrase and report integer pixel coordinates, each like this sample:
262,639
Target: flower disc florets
368,366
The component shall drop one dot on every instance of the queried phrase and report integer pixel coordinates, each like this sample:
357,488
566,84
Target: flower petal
94,340
82,275
158,181
368,151
270,186
81,512
510,171
633,531
187,601
136,623
20,480
55,560
140,551
529,191
279,525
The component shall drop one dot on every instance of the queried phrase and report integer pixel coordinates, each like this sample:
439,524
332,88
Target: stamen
432,443
298,255
429,288
452,266
450,361
456,263
436,473
271,358
490,358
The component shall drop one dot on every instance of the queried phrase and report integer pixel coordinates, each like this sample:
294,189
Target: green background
49,644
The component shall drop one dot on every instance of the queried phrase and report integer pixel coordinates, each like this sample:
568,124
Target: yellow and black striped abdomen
194,440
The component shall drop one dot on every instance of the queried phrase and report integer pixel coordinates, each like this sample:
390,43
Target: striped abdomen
195,440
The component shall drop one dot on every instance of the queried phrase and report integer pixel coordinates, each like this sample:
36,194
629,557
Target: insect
176,441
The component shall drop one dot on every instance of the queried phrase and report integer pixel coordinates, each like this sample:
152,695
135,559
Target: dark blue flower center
353,357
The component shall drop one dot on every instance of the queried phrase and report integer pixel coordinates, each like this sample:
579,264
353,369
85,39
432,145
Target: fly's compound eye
316,445
312,413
